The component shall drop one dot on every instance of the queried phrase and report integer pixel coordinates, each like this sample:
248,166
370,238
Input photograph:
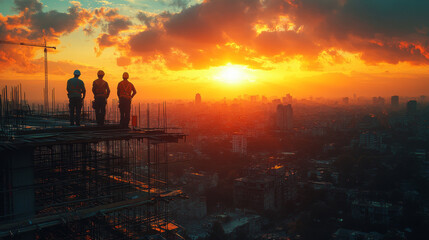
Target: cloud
180,3
249,32
114,23
144,18
117,25
54,23
28,5
105,40
380,31
377,29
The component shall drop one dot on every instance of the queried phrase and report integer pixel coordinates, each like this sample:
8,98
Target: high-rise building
239,143
284,117
197,98
394,101
411,108
346,100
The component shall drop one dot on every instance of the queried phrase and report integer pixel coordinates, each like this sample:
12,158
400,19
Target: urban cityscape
142,120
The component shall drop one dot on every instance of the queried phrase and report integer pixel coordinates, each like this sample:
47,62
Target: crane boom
45,92
25,44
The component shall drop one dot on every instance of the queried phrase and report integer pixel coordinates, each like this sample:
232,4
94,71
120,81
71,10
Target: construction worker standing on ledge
76,93
101,91
126,91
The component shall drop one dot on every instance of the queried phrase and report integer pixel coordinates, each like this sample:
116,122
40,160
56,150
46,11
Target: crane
45,92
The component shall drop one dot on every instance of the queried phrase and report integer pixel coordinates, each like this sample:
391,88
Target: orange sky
221,48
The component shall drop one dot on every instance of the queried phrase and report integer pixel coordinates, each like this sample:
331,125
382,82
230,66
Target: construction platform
86,183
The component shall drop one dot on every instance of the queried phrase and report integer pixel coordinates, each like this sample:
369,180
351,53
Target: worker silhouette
126,91
101,91
76,93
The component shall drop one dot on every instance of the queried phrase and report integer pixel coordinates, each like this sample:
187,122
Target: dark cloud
180,3
54,23
380,31
144,18
117,25
148,41
112,25
28,5
356,25
105,40
215,32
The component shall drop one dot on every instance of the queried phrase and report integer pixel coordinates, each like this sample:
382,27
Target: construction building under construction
84,182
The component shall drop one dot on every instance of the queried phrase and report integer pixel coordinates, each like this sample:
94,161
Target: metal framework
86,183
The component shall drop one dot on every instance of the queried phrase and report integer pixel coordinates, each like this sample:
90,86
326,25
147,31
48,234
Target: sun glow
232,74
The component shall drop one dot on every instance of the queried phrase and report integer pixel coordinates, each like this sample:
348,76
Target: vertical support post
53,100
148,116
46,80
22,179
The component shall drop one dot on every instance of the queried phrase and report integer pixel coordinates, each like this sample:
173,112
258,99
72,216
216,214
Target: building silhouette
378,100
411,108
394,101
287,99
197,98
284,117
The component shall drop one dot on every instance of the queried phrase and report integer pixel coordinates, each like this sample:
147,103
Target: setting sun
232,74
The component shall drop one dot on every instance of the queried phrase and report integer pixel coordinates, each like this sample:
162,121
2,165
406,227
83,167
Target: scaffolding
87,183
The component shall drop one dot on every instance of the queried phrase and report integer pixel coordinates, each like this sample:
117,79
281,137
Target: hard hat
100,73
125,75
76,72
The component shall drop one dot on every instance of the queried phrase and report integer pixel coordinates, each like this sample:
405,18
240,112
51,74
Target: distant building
411,108
239,143
276,101
255,193
284,117
378,101
372,141
346,100
197,98
375,212
287,99
348,234
394,101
